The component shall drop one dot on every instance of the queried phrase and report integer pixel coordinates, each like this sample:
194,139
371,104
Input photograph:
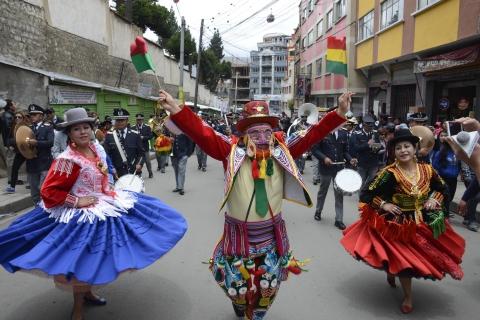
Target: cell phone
453,128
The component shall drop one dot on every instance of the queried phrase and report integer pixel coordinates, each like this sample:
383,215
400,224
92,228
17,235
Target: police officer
146,134
330,152
37,167
124,145
366,145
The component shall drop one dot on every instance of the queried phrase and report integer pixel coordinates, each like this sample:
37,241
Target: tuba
308,109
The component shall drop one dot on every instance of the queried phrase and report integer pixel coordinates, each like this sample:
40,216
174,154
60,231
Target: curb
20,203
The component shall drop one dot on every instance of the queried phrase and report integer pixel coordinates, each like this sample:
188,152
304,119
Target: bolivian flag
141,59
337,55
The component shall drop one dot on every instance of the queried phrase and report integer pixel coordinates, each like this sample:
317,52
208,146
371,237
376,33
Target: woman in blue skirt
84,234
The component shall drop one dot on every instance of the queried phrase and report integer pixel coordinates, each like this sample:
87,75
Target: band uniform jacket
182,146
45,136
134,151
367,158
335,148
146,134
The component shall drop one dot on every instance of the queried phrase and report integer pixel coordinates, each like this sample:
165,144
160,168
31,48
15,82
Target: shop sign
448,60
444,104
70,95
268,97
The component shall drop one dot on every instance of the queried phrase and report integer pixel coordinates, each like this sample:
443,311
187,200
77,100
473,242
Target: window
310,38
310,6
309,70
425,3
340,9
318,67
365,26
303,42
302,71
305,13
329,19
320,28
391,12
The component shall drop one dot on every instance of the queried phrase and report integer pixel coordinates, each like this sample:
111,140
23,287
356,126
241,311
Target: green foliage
216,45
173,46
149,14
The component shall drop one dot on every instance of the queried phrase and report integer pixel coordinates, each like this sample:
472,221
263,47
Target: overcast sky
223,14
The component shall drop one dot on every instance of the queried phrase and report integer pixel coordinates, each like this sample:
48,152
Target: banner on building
452,59
70,95
268,97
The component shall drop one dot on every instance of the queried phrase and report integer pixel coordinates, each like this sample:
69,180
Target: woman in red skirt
402,228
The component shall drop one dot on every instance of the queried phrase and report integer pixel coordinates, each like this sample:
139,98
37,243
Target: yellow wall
437,25
390,43
365,54
364,7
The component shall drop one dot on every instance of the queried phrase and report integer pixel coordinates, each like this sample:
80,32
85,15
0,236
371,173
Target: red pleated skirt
422,257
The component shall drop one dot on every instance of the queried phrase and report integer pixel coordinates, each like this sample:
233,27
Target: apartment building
268,66
420,53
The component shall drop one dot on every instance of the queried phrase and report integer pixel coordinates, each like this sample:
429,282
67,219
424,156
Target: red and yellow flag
337,55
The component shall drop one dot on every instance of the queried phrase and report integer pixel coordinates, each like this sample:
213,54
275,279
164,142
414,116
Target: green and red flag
337,55
141,59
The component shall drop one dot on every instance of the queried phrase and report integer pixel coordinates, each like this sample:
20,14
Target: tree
149,14
216,44
173,46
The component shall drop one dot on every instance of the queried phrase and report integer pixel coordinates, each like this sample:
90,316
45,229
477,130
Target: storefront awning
448,60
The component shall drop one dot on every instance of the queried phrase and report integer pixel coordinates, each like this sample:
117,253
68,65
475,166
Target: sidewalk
12,203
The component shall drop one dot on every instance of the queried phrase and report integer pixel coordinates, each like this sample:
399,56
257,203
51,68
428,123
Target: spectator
7,122
20,120
447,166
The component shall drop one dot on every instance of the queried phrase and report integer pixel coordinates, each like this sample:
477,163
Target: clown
253,256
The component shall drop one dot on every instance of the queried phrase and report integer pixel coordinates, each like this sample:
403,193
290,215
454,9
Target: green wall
107,101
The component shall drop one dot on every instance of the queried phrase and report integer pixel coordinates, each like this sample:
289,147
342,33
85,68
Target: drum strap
120,147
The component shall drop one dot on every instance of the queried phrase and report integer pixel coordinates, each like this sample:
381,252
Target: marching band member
84,234
124,145
253,257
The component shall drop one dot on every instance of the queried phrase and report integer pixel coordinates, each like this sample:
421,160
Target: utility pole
181,95
198,64
236,88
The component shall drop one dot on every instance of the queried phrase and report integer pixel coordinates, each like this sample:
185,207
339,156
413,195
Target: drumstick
133,176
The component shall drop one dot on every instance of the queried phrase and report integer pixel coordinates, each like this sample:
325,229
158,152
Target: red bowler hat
256,112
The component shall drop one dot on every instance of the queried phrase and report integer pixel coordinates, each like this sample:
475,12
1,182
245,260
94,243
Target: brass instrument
427,140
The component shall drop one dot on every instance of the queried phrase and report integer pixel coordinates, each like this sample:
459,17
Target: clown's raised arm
218,146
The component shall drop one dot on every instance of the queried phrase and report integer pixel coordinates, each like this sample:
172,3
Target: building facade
288,82
51,60
268,66
239,89
420,53
318,20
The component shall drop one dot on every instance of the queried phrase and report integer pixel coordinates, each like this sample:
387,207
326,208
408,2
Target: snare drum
130,182
347,181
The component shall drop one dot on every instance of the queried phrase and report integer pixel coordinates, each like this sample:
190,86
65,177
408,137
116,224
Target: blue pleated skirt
92,253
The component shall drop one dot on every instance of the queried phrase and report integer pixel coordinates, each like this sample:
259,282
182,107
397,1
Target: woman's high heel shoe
391,281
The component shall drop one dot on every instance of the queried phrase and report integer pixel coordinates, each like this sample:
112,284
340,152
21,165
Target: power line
251,16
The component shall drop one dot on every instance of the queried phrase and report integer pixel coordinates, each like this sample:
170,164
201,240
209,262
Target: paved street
180,287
